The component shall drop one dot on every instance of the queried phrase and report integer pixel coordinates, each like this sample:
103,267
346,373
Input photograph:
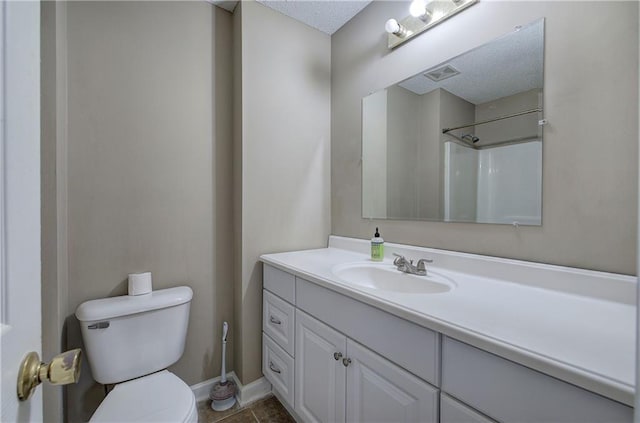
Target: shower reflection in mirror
461,141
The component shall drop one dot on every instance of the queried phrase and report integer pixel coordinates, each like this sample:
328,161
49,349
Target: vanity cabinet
332,358
337,378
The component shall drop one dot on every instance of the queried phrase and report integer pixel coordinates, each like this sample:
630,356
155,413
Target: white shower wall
510,184
494,185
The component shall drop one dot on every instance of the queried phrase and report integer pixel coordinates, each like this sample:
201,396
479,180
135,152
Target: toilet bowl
160,397
130,341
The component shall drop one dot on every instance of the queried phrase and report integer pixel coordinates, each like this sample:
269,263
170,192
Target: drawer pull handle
273,368
274,320
346,361
337,355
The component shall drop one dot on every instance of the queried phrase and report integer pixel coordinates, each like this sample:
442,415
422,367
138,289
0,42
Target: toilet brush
223,394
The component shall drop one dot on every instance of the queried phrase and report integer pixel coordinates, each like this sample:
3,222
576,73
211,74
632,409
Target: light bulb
392,26
418,8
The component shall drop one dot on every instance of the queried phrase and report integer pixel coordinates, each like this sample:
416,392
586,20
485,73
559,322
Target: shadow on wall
251,350
121,288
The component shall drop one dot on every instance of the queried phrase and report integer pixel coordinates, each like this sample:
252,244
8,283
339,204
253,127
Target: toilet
130,341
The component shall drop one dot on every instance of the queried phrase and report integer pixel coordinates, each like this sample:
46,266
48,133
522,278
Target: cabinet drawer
412,347
508,391
281,283
452,411
278,321
278,367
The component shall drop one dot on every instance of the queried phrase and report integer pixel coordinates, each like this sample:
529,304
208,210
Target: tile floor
267,410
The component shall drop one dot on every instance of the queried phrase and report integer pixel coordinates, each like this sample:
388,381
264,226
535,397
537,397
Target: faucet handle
422,266
401,260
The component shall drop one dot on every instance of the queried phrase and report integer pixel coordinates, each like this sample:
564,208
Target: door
320,371
20,319
380,391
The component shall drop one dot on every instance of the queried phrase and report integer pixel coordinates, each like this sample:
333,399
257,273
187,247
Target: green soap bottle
377,247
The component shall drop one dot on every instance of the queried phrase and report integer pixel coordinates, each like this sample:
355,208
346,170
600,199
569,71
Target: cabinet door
320,373
380,391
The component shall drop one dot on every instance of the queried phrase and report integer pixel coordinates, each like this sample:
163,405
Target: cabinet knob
337,355
346,361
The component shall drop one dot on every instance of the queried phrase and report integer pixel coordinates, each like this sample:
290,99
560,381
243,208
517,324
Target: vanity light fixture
424,14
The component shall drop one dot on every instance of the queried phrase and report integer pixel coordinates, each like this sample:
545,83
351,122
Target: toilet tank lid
108,308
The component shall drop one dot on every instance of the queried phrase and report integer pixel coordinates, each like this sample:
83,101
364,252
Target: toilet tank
131,336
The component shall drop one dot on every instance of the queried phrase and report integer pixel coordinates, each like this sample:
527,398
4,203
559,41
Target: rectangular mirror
461,141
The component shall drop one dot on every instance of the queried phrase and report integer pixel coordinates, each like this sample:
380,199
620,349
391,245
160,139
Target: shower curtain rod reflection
526,112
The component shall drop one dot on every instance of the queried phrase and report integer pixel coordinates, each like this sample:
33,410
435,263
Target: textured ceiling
503,67
327,16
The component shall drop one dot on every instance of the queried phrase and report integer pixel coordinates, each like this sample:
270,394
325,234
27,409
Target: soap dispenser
377,247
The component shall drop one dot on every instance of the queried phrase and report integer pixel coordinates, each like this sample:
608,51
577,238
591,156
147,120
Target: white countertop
575,325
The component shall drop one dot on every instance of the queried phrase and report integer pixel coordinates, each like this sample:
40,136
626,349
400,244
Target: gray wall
149,166
590,150
285,97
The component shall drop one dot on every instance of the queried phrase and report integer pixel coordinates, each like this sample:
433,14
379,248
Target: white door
380,391
20,318
320,371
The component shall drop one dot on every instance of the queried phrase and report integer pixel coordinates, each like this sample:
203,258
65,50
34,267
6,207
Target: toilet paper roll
140,283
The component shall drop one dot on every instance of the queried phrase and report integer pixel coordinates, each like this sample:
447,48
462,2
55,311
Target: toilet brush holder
223,395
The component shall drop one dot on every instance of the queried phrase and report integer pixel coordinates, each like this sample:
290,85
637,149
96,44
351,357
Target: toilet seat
159,397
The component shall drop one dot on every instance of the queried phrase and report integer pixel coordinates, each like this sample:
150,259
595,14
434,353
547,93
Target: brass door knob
63,369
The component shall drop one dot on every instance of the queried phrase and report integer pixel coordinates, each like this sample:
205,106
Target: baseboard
254,391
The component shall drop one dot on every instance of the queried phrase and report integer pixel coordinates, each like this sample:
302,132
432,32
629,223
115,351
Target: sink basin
385,277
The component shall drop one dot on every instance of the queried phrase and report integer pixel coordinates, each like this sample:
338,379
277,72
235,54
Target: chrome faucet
407,266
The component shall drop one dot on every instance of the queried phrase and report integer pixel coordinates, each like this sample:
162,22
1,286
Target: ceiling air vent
442,73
